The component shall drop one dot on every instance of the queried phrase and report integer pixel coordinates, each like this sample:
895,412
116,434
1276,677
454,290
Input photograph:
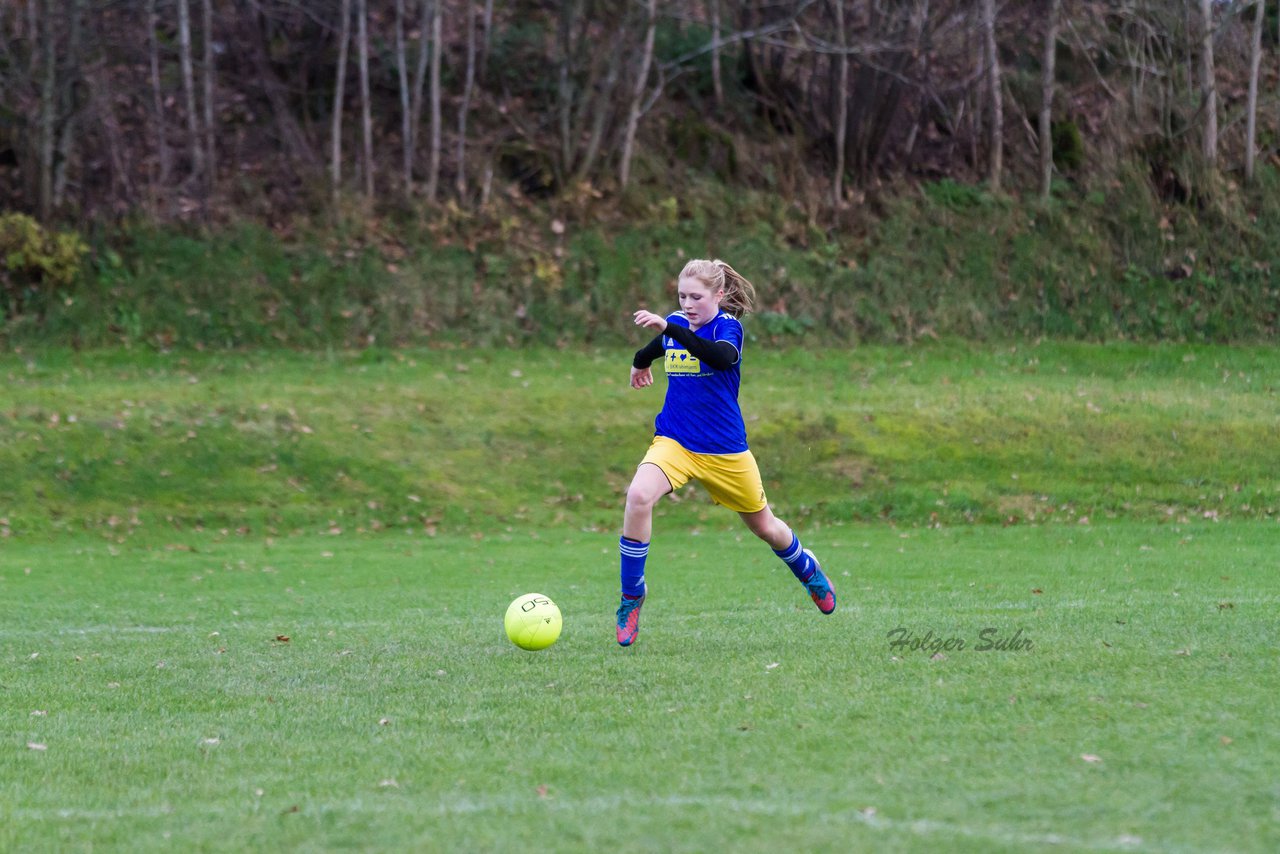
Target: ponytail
739,294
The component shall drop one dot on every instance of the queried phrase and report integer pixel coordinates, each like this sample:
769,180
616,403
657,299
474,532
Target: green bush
37,262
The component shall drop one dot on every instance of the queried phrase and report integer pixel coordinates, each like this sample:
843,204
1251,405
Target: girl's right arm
641,375
649,353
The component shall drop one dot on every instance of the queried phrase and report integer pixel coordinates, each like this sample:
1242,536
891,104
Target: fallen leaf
282,638
1036,590
542,790
1226,739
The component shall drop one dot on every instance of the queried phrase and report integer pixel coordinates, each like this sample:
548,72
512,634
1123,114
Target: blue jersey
701,408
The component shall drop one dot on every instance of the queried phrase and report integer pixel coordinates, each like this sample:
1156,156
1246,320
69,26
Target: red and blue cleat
629,620
819,587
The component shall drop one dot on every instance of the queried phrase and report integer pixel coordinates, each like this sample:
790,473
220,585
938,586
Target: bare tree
603,107
420,72
1255,65
366,108
569,13
717,85
48,107
207,74
842,107
69,109
460,178
157,97
637,93
995,94
1208,85
194,142
254,36
340,79
1046,98
488,37
437,45
406,126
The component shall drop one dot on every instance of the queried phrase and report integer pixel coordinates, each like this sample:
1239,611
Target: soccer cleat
629,620
819,587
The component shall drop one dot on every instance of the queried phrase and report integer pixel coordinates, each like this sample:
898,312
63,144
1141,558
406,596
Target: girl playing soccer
699,434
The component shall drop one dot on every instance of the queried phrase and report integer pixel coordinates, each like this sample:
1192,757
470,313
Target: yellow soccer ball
533,621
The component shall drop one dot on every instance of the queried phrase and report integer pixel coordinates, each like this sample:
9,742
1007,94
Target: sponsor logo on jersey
680,362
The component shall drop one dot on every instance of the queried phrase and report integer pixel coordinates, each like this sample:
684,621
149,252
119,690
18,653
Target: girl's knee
641,496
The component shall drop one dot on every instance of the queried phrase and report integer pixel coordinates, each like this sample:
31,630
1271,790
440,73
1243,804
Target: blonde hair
739,294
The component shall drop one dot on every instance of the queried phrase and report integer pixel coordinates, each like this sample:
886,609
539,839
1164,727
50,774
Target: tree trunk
420,72
295,143
366,108
1208,85
437,48
460,179
842,109
48,112
604,106
194,141
335,157
637,94
717,85
564,84
1255,65
69,108
157,98
207,77
1046,99
406,125
995,94
488,37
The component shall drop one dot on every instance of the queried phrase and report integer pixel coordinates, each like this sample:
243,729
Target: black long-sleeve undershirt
717,355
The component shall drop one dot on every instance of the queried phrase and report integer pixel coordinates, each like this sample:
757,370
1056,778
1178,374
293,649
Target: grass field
255,603
151,702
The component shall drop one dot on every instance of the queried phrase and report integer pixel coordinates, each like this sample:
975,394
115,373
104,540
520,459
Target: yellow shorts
732,480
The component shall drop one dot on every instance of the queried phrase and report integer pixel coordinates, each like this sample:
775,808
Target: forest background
352,173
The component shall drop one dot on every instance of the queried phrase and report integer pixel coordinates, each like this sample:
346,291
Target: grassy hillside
1110,262
132,443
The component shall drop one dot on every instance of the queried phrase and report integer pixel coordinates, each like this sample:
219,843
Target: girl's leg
647,488
786,545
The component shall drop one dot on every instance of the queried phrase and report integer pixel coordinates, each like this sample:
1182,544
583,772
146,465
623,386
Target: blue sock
796,560
633,554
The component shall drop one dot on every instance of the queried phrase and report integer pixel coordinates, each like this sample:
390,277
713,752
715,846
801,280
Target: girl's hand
641,377
649,320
